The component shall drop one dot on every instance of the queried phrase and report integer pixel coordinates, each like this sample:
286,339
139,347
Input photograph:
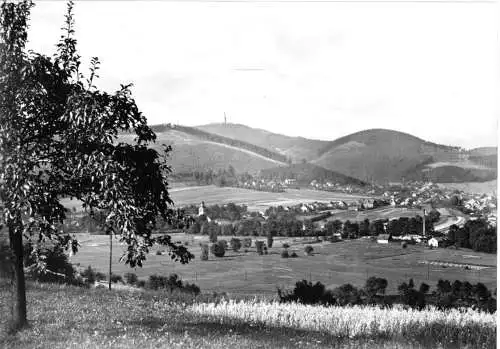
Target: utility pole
110,256
423,224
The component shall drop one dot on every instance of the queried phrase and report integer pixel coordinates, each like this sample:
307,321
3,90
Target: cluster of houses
263,185
355,205
337,187
484,206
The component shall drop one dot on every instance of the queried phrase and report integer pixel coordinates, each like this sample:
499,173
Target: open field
255,200
378,213
333,264
71,317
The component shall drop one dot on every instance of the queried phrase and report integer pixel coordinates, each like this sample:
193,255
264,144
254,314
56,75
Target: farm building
434,242
368,203
383,239
336,237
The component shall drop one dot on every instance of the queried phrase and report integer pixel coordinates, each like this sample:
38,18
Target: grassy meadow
333,264
71,317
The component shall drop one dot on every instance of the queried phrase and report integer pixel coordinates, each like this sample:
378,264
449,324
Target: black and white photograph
249,174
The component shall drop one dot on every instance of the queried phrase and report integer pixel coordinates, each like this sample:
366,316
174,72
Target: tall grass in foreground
452,326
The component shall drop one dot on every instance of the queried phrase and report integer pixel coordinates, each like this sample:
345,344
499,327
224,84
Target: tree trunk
18,285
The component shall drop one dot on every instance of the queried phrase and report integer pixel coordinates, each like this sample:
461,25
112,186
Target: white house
433,242
383,239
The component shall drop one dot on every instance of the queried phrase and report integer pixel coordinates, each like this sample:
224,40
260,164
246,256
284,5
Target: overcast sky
318,70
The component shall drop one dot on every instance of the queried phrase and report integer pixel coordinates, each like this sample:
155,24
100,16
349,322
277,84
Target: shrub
212,237
100,276
270,240
218,249
410,296
294,255
130,278
235,244
141,283
156,282
90,276
285,245
171,283
224,243
284,254
265,249
192,288
259,245
57,266
116,278
247,242
404,244
204,252
307,293
159,252
308,250
346,295
374,286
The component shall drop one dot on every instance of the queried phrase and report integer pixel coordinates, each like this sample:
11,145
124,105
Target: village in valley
248,174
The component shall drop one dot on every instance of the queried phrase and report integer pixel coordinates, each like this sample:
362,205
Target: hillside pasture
489,188
333,264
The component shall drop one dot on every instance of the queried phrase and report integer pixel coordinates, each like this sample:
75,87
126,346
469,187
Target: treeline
224,140
446,295
413,225
282,222
228,178
475,234
222,177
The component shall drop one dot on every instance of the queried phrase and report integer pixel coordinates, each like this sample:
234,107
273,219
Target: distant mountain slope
387,155
484,151
234,142
377,155
296,148
304,173
197,150
452,174
486,156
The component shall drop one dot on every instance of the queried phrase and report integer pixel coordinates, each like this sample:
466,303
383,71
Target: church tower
201,210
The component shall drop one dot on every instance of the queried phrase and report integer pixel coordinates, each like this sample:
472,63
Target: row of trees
445,296
286,224
475,234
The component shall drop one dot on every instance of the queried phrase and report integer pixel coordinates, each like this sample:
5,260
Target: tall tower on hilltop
225,120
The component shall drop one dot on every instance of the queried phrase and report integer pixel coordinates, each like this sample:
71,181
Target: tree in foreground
58,139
